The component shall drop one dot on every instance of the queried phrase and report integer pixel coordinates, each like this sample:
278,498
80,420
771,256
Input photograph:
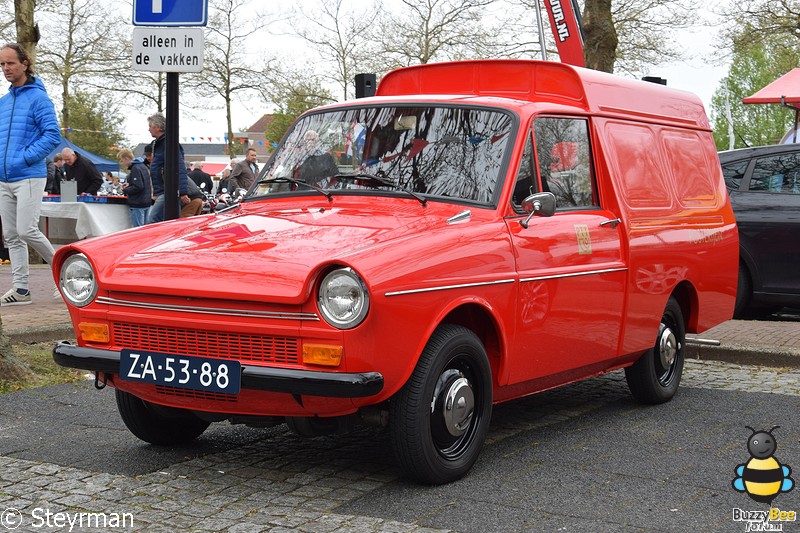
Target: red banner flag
564,22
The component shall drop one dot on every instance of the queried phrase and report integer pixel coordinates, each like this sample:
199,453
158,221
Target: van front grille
255,348
196,394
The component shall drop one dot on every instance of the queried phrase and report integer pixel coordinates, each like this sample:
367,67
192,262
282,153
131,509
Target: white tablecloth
91,220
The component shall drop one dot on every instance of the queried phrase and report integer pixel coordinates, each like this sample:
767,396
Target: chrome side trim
587,273
208,310
449,287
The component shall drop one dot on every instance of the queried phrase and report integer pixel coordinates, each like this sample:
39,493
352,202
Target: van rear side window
636,161
562,149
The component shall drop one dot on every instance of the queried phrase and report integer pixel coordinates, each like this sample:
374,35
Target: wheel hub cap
459,405
667,347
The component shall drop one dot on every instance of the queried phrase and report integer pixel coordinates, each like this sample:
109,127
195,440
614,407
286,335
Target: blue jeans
138,216
156,213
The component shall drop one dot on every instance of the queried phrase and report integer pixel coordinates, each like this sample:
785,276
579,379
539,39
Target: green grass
32,365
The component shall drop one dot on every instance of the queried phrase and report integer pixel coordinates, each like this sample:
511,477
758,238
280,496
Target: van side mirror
541,204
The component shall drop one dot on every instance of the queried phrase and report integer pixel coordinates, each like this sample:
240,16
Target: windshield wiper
383,181
293,181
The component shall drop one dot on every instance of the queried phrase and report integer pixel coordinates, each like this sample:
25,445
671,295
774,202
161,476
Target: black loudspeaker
365,85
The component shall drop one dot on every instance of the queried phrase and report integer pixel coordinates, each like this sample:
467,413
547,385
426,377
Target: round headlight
343,299
78,284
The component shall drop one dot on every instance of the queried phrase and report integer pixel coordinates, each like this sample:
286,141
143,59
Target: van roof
592,91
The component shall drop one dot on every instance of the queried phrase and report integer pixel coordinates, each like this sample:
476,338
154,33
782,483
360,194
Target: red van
476,232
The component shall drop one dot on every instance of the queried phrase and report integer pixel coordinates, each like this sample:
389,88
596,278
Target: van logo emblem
584,239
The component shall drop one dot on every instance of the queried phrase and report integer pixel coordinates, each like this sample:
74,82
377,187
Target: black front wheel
158,425
655,377
439,419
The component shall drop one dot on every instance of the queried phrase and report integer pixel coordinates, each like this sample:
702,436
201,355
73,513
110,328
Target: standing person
244,173
53,185
136,187
157,124
83,170
28,132
199,177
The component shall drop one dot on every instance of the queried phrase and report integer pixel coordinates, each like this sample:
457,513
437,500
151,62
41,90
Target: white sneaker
12,297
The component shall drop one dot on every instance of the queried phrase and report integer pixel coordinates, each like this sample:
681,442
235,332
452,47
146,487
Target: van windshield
451,152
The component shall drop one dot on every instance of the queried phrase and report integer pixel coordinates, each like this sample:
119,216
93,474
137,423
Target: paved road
580,458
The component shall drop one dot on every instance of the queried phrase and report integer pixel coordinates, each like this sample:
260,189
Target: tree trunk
27,29
599,36
5,344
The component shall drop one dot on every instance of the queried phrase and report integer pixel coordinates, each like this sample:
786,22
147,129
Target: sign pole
172,153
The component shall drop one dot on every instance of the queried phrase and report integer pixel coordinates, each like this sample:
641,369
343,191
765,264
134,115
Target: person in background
157,124
61,172
81,169
243,175
224,182
28,132
53,178
200,177
111,188
137,187
196,198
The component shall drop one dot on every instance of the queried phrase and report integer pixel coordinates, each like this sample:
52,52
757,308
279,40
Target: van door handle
613,223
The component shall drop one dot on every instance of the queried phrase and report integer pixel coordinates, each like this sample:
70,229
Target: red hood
258,252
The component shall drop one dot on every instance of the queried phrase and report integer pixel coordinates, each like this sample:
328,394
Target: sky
697,74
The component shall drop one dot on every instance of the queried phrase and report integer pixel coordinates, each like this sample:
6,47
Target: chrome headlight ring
77,280
343,298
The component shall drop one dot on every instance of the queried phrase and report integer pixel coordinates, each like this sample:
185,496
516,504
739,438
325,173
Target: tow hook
97,383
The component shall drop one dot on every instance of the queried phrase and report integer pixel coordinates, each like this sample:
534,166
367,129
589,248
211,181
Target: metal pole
540,25
172,152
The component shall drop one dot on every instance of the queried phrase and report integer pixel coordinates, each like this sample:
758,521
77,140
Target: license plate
197,373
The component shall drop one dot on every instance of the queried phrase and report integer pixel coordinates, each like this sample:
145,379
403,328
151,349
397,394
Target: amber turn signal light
94,332
322,354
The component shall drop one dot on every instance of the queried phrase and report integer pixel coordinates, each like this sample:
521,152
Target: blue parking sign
170,12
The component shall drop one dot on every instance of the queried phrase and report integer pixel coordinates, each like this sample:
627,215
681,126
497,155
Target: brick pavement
282,483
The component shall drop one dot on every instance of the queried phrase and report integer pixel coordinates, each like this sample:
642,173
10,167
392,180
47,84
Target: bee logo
762,477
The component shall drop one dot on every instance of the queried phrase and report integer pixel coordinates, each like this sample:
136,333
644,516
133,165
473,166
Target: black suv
764,186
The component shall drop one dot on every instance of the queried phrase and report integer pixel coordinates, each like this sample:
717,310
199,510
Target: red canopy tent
785,91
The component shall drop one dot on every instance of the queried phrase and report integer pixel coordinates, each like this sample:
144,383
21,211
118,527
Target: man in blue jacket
28,132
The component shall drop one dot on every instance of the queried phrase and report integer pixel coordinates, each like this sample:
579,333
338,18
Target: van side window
562,149
525,184
779,173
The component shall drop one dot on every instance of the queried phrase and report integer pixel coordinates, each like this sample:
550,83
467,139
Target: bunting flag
76,130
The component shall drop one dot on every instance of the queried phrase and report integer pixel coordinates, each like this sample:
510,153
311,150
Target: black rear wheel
439,419
156,424
655,377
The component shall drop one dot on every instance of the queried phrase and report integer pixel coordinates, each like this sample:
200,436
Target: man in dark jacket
200,177
157,123
82,170
137,187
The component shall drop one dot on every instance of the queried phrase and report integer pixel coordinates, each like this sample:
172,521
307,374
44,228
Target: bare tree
226,72
82,45
293,90
625,35
762,19
421,31
338,32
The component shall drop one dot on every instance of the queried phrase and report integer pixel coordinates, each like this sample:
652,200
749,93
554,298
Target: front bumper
308,382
